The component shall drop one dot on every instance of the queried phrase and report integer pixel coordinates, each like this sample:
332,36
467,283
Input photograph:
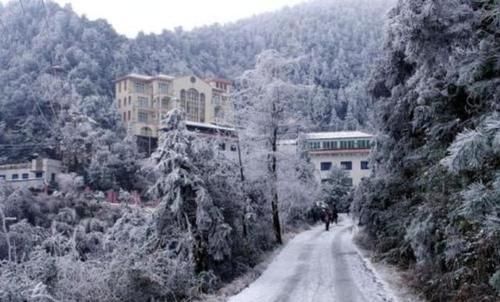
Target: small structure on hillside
37,174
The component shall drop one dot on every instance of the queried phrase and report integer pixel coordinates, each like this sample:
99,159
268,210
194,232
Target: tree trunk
274,176
276,219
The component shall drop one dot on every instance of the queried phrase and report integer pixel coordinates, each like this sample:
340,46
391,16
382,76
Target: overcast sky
131,16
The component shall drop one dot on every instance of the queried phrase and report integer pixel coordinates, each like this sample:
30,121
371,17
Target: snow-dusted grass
393,279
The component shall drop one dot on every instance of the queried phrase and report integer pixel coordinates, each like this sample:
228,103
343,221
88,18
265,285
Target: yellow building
143,100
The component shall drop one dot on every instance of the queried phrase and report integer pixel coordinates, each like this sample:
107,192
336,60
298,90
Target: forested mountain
433,204
57,69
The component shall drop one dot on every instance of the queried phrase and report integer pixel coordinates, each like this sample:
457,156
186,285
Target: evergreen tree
184,198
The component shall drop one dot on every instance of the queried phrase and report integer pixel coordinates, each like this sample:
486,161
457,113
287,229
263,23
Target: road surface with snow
318,266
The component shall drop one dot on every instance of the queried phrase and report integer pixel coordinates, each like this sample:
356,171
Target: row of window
220,85
125,102
345,165
124,86
126,116
336,145
23,176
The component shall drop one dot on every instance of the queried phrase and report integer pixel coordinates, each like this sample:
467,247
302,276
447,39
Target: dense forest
56,65
437,157
424,75
212,218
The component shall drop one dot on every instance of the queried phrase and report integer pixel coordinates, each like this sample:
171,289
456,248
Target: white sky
131,16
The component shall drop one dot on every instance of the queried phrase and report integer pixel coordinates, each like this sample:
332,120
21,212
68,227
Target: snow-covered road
318,266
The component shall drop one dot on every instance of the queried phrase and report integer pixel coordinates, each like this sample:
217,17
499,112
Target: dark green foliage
433,204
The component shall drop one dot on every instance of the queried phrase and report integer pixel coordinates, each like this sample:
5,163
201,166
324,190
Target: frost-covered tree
436,158
116,165
184,199
297,185
266,101
335,190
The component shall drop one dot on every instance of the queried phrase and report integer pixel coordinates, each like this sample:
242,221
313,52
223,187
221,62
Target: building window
165,103
125,85
330,145
218,114
53,177
348,181
234,148
143,102
25,176
193,80
193,104
364,165
139,87
146,131
2,177
363,144
124,116
119,86
129,100
128,115
222,146
202,108
347,144
314,145
326,166
119,103
142,117
39,174
346,165
15,176
163,88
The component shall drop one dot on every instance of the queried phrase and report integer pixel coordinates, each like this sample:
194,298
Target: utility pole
4,229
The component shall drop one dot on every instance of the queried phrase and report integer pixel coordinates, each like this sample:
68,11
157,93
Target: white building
348,150
36,174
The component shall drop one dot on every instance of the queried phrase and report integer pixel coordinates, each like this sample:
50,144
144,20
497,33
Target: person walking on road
327,217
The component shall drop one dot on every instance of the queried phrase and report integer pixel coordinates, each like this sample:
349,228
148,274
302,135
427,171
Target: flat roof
285,142
210,126
145,77
337,135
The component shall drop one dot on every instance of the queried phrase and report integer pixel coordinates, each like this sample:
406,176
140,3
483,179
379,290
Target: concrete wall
336,158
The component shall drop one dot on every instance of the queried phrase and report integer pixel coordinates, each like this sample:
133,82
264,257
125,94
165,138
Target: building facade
348,150
37,174
143,100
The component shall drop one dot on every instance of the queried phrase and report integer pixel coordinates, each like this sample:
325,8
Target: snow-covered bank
390,276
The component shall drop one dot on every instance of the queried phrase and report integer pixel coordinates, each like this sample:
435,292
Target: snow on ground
319,266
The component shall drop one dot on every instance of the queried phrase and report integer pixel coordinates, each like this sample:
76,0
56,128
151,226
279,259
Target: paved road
318,266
